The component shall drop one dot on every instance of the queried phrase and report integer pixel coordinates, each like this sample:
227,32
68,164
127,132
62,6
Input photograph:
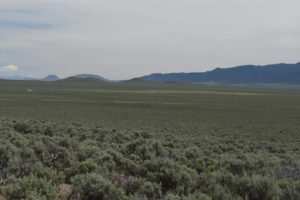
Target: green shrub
150,190
221,193
22,128
29,187
251,187
197,196
95,186
87,166
171,175
258,187
48,173
289,189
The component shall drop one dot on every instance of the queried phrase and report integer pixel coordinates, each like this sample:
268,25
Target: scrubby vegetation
135,141
36,157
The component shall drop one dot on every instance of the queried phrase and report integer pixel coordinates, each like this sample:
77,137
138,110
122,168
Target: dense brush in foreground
37,157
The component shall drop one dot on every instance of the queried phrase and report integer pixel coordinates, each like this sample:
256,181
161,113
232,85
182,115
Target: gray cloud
122,39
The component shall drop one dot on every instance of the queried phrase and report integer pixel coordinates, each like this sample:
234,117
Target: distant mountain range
247,74
16,78
54,77
78,76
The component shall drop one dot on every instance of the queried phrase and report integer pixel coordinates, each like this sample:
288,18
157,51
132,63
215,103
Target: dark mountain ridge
247,74
82,80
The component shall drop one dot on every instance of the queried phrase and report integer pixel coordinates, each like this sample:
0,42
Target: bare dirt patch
65,190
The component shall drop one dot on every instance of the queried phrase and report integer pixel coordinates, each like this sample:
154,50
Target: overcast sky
121,39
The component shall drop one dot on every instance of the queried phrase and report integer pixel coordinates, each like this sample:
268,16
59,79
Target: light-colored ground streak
174,92
115,102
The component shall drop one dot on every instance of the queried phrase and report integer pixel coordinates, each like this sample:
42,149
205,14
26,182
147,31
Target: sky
122,39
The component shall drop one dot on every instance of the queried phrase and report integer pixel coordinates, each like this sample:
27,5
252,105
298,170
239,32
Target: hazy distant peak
51,77
94,76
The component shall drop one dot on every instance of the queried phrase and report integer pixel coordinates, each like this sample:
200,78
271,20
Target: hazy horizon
16,76
126,39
